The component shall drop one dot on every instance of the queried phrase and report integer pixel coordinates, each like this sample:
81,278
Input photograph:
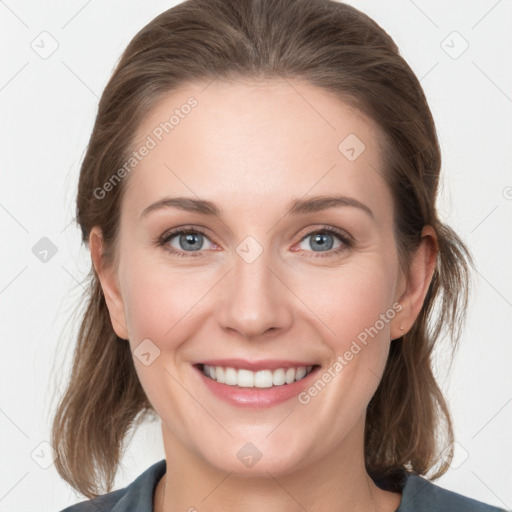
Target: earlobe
109,284
422,266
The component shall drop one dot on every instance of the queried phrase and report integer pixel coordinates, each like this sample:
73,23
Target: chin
247,458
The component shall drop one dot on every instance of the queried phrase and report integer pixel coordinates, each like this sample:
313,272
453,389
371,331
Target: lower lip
257,397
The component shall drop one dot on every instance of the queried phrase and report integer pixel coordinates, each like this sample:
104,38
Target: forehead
246,144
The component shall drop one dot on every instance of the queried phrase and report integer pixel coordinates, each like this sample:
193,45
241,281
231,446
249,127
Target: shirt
418,495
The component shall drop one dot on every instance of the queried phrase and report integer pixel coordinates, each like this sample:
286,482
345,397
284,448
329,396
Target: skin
251,148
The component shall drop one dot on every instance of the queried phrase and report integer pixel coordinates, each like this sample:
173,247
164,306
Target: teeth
260,379
290,375
230,377
245,379
278,377
263,379
301,373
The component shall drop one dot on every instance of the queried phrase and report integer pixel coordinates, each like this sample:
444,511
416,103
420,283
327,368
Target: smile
259,379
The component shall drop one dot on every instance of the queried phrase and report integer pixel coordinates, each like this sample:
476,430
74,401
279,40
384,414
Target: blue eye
186,239
190,242
322,239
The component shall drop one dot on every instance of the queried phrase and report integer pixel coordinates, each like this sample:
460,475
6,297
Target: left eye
324,241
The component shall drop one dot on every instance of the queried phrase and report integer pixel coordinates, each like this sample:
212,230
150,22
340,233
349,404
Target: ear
109,283
422,266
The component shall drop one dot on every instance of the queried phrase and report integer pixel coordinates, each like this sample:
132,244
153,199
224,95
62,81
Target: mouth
256,385
265,378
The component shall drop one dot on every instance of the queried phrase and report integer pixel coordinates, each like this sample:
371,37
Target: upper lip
267,364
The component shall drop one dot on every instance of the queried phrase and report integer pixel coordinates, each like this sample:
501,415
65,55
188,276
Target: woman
258,196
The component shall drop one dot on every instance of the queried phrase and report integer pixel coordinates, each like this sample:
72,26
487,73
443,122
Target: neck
337,482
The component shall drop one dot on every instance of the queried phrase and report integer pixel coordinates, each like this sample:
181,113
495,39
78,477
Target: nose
255,300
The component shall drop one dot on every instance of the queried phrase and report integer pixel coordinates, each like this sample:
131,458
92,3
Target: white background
48,108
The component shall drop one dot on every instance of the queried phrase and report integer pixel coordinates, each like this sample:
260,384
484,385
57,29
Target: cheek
160,306
159,301
357,308
351,300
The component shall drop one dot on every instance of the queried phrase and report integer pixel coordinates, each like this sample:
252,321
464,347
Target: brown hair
332,46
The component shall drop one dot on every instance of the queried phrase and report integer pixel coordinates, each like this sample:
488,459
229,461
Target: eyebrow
295,207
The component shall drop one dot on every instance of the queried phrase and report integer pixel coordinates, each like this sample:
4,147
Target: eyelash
162,241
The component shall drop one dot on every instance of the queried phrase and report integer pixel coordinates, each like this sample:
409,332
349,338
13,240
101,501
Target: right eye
179,242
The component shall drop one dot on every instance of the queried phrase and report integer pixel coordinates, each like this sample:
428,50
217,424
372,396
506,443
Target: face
274,280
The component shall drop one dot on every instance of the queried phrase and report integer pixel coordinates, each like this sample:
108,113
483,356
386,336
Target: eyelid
326,228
